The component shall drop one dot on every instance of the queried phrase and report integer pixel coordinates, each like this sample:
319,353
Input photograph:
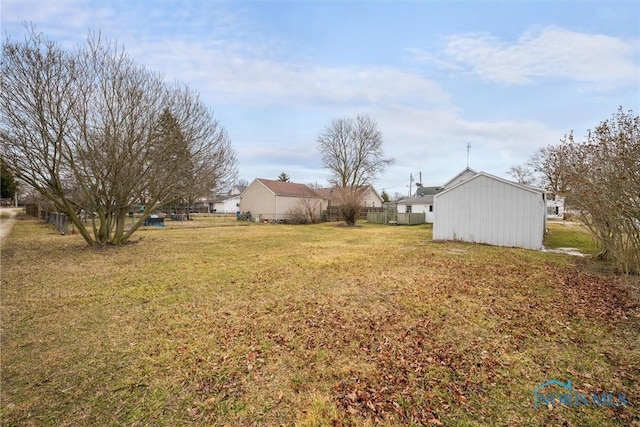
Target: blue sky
507,77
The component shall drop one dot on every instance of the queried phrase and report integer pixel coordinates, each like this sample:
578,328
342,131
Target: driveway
6,224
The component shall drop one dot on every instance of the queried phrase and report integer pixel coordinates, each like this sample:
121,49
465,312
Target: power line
397,185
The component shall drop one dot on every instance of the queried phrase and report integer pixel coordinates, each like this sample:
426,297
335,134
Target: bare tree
306,210
551,165
522,174
603,181
352,151
94,133
241,182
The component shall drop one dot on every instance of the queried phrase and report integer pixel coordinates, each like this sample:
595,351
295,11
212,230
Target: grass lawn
219,324
567,234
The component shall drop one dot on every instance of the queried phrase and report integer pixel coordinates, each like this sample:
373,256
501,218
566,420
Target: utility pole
410,182
468,147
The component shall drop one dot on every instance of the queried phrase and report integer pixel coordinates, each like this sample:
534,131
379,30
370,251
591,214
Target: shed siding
486,210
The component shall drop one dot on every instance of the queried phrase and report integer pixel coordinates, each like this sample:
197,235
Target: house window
430,208
408,209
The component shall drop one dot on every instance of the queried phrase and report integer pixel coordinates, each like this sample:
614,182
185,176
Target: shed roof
497,178
466,171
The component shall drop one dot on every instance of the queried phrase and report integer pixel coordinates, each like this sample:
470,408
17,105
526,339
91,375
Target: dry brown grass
307,325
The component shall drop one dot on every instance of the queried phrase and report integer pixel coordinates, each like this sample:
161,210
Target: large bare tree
550,164
351,150
603,180
95,133
522,174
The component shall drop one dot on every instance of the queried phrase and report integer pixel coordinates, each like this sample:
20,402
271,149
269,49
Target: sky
504,77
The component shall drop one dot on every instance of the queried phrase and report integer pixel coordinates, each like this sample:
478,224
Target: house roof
420,200
328,193
497,178
325,193
281,188
239,188
428,191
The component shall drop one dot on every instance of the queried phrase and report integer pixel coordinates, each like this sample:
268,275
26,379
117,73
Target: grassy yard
219,324
566,234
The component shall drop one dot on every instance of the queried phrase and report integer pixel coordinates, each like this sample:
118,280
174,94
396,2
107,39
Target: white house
228,202
423,201
420,204
555,206
488,209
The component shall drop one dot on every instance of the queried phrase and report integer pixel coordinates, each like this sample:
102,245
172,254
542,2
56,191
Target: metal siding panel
486,210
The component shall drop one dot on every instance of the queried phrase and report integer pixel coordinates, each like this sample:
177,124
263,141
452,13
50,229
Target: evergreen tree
284,177
7,181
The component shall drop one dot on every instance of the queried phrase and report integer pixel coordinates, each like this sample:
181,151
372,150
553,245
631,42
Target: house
420,204
487,209
269,200
225,204
555,206
228,202
423,200
428,191
370,197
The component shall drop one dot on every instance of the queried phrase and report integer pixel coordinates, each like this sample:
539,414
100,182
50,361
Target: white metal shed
492,210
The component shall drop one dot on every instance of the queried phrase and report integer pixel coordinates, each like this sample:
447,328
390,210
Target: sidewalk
6,224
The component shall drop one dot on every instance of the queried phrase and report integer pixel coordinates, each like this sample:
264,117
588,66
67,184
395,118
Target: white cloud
229,71
434,142
600,60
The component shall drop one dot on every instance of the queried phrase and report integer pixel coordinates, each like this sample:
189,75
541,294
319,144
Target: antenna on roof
468,147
